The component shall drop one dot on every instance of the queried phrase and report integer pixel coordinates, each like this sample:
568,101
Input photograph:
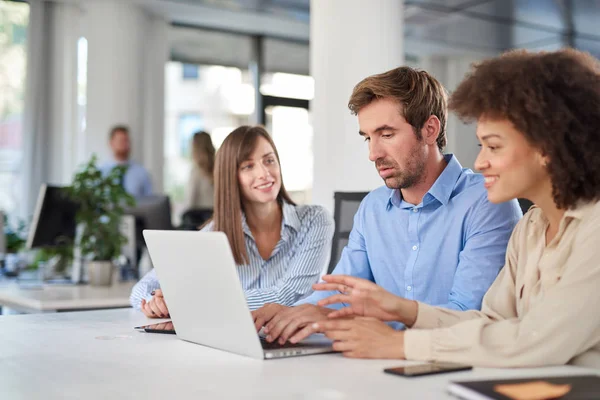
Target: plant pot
100,273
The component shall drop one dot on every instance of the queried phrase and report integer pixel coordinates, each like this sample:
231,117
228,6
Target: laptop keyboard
275,345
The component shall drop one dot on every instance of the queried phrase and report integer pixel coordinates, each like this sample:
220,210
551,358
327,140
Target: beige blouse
543,309
199,192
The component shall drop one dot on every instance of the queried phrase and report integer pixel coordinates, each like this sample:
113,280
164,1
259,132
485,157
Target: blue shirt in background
136,181
445,251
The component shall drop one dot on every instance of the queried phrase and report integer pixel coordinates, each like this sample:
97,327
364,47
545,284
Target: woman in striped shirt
280,248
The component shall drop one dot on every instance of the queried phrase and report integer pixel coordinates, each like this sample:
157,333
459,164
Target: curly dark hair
553,99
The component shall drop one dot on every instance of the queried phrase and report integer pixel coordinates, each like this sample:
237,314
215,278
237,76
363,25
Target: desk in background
97,355
32,298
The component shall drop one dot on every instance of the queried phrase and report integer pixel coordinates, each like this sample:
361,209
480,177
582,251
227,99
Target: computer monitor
151,212
54,219
2,235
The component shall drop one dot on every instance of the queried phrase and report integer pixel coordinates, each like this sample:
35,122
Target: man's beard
409,176
122,155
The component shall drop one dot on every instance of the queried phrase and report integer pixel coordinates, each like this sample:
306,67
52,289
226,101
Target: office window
288,85
220,100
189,71
292,131
188,124
14,18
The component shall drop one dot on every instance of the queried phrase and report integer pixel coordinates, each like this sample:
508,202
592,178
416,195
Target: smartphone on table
161,327
427,369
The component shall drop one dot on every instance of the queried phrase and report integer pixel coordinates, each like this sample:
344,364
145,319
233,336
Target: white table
55,297
97,355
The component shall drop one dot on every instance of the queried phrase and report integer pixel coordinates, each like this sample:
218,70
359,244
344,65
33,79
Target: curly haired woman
538,118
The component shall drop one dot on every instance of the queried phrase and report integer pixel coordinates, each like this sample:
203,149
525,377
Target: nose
481,162
263,171
375,151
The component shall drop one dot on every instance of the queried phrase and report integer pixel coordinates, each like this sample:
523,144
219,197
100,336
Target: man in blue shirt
136,180
430,234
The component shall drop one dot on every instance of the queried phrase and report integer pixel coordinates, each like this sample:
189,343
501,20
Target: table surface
97,355
31,297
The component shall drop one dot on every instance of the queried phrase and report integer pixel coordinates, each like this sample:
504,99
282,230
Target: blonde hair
203,153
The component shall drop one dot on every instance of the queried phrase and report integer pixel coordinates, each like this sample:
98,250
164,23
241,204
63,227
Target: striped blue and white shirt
297,261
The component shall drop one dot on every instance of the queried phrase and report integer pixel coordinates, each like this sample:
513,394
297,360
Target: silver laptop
197,274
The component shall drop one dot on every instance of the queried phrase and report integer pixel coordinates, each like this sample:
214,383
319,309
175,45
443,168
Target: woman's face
259,176
511,166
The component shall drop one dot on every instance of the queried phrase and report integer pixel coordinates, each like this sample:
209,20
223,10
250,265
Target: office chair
194,218
525,205
346,205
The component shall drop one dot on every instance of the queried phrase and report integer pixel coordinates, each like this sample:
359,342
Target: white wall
50,116
127,52
450,71
350,40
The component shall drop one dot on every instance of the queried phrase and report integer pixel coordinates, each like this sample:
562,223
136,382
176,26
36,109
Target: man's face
120,145
398,154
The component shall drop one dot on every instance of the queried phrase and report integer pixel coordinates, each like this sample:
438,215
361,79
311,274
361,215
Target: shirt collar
442,188
290,218
577,212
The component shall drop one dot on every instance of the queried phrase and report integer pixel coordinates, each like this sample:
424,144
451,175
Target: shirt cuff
427,317
418,344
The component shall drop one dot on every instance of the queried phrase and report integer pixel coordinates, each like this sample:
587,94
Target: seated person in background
538,116
430,234
136,180
199,192
280,248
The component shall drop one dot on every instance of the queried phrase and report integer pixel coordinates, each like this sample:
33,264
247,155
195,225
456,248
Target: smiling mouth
490,180
265,186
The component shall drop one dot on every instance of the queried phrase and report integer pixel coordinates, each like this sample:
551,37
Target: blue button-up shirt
136,181
445,251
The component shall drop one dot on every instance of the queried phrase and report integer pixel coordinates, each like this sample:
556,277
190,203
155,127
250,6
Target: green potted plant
102,202
14,240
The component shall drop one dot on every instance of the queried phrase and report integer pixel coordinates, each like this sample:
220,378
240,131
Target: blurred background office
72,69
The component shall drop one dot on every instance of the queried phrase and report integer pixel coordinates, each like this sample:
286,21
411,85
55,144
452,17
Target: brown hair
202,144
116,129
419,94
553,99
227,218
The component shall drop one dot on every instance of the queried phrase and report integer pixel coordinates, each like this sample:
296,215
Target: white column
450,71
50,118
349,40
127,52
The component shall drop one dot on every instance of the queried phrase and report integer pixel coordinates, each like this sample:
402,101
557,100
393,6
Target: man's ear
431,129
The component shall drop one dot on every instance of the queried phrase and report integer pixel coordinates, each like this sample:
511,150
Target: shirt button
409,288
415,247
415,209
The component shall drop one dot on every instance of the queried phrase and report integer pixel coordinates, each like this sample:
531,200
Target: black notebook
582,387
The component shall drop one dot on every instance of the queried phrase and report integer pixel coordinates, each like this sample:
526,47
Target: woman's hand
360,337
366,299
156,307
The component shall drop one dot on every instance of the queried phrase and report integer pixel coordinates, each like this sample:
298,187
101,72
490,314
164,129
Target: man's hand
265,314
366,299
359,337
156,307
290,319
